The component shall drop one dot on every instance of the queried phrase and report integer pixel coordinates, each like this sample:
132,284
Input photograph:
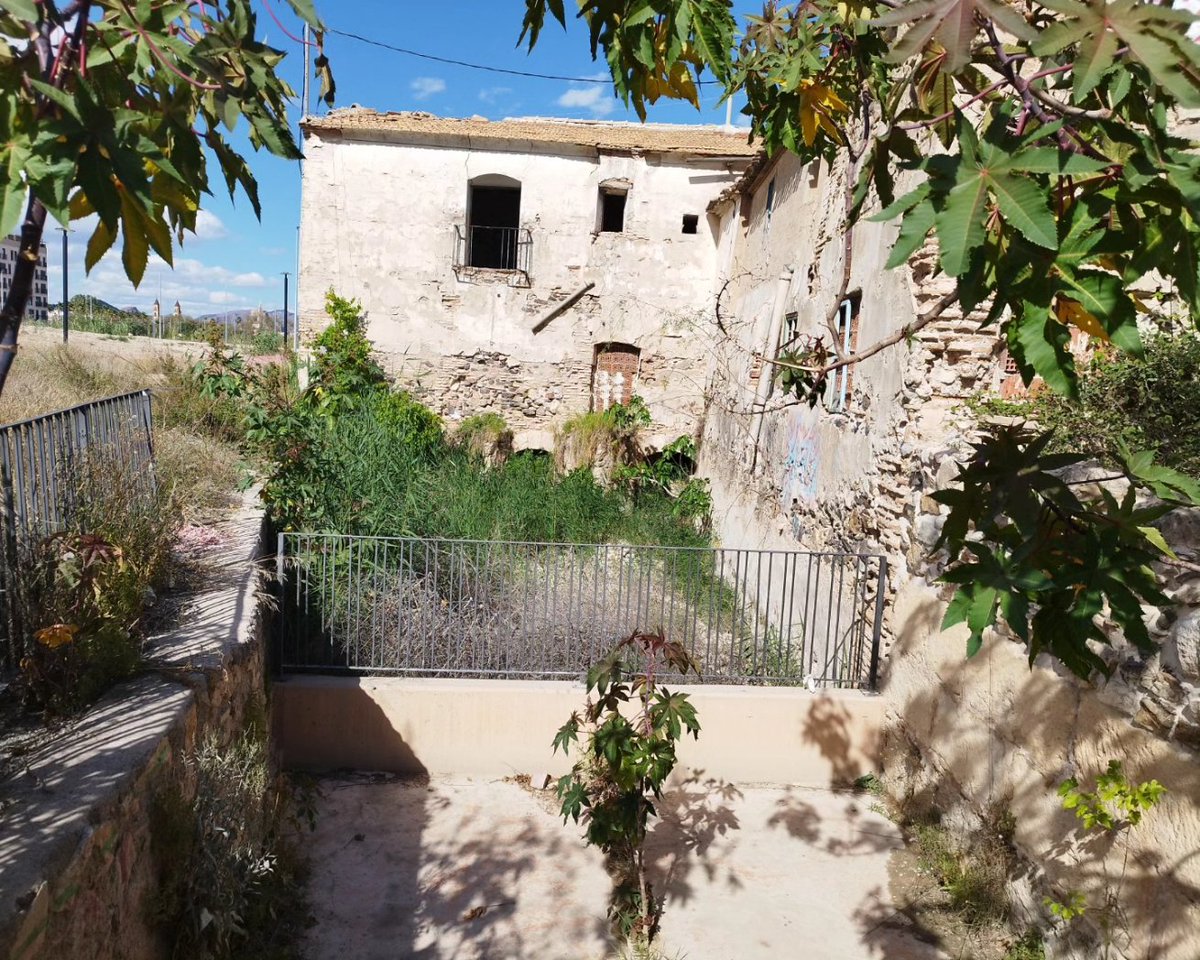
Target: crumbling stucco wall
965,734
378,223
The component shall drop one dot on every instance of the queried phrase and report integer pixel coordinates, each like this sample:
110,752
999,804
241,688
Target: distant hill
81,301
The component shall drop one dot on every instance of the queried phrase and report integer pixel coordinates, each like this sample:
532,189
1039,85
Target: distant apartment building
39,304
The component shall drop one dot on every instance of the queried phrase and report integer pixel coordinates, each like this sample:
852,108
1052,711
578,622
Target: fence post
877,629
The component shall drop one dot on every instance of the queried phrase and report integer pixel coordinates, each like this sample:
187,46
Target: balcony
507,250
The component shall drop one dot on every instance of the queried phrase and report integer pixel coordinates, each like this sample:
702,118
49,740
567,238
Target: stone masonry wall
968,736
78,873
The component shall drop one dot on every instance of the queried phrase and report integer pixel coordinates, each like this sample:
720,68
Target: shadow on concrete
691,816
407,868
889,934
828,727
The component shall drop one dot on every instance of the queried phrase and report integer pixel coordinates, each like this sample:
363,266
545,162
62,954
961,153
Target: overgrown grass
372,481
195,436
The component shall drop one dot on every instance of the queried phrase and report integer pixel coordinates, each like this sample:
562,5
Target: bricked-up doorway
493,222
614,374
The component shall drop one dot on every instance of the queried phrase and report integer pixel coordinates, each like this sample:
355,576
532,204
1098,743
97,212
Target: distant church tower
156,329
178,311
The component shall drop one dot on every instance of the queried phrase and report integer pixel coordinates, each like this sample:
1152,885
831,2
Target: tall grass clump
354,455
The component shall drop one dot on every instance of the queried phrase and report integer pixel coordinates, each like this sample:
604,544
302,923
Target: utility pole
66,285
285,306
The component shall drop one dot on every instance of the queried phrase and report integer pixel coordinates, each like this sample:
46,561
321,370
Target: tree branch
903,333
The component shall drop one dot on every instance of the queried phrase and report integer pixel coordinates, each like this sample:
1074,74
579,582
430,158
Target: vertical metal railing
47,462
493,248
428,607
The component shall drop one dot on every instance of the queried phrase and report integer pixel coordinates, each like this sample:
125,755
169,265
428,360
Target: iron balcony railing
420,607
49,465
493,248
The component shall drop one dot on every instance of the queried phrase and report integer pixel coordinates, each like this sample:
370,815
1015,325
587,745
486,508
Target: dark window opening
691,222
791,327
770,199
493,223
612,212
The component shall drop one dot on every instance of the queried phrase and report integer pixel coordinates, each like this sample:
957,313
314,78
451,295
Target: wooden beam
563,307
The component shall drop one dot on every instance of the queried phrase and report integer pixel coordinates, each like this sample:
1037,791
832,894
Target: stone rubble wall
78,869
966,736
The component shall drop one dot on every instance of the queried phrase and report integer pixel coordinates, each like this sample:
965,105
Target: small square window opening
612,212
691,222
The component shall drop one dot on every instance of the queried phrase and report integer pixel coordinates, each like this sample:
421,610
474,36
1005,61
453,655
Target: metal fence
420,607
49,463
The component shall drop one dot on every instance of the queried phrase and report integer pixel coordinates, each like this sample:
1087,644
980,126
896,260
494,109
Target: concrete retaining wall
78,873
497,728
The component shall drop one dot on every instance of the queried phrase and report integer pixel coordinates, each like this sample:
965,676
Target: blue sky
235,261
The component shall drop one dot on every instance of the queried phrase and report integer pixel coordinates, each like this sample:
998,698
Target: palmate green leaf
1103,296
913,231
305,10
1154,35
13,156
1166,483
952,23
1039,344
959,222
1024,204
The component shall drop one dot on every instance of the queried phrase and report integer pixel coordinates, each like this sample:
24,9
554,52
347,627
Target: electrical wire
478,66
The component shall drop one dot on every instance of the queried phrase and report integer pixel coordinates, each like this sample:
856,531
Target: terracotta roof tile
650,137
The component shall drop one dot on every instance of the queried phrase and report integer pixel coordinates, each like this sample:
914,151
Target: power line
477,66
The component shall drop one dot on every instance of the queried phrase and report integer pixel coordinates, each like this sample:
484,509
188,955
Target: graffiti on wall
803,462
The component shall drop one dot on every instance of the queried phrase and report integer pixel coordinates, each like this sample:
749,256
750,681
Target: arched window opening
493,222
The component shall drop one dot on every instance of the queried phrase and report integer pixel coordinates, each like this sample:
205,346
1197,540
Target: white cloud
596,98
425,87
209,227
492,94
195,284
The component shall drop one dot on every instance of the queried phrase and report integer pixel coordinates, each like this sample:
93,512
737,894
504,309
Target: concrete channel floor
484,869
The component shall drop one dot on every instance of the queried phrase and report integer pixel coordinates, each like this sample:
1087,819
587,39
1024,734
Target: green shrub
229,871
80,594
1148,403
416,426
343,364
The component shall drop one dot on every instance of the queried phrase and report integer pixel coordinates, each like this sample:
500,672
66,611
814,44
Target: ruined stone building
535,268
